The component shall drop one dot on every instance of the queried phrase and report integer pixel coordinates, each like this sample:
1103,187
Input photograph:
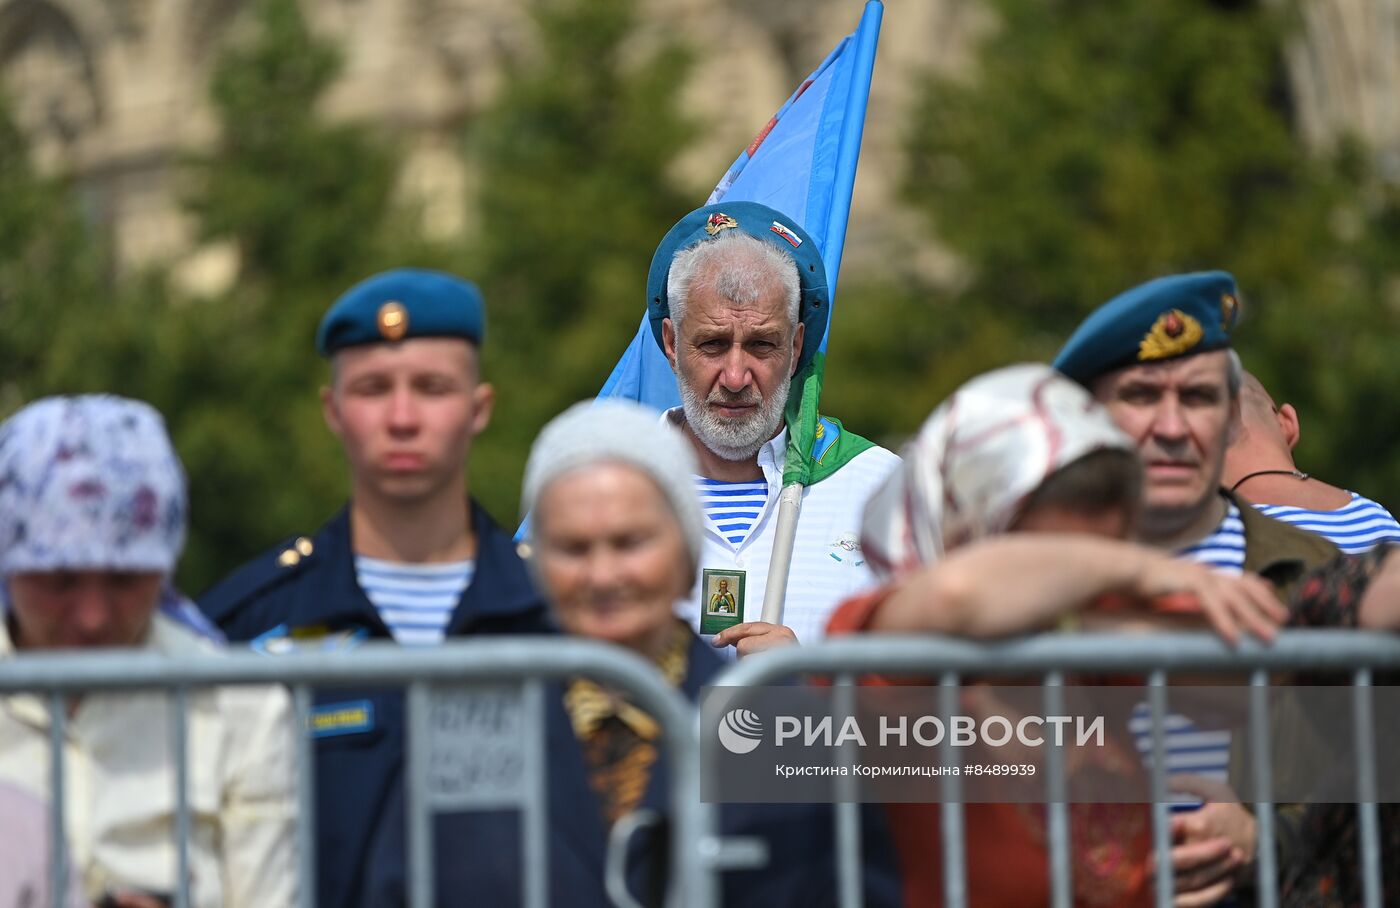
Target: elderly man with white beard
738,300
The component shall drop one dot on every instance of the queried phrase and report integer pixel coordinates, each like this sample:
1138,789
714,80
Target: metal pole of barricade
954,853
1366,789
1057,794
180,753
306,796
848,856
1266,861
1161,810
536,799
421,888
58,841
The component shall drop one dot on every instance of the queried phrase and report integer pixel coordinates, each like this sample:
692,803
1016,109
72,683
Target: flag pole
848,156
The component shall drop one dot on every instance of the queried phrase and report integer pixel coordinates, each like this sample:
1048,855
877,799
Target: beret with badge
1166,318
403,303
767,225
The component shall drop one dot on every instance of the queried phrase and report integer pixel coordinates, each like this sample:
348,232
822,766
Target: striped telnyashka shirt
1356,528
1223,549
415,601
733,506
1192,750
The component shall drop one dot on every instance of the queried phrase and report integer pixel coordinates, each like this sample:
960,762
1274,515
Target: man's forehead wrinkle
729,318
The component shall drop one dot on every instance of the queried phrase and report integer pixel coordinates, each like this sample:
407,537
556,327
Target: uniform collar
500,586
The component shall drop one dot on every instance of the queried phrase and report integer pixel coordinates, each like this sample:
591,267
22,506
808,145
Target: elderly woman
616,532
1008,515
92,520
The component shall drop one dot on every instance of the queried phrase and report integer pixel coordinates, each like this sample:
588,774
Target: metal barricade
695,853
1053,657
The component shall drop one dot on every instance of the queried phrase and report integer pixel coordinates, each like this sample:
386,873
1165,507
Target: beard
734,439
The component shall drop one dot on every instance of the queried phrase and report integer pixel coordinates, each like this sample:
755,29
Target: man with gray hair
738,301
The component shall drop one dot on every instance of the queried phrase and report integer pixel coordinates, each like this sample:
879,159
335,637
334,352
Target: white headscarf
975,461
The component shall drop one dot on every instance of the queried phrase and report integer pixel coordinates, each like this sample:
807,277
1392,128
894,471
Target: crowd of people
1143,481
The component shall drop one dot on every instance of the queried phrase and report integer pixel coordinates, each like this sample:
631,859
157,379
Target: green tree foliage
575,193
305,201
307,205
1098,145
48,258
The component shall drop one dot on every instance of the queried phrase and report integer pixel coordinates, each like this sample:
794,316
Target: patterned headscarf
976,460
89,483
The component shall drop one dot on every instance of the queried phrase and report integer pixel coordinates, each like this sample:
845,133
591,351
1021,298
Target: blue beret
403,303
769,226
1166,318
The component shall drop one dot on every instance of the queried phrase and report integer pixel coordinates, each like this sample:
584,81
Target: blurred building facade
114,91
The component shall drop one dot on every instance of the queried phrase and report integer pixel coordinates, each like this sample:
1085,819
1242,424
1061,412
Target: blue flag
803,163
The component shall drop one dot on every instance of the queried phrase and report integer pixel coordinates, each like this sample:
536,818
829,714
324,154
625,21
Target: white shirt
827,564
120,792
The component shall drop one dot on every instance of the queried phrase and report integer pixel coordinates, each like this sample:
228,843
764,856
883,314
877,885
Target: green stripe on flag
813,453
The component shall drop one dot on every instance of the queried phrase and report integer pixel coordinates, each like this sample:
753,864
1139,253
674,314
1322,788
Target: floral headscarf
976,460
89,482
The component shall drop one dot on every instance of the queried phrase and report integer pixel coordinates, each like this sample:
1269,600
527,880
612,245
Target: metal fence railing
428,673
696,853
1052,657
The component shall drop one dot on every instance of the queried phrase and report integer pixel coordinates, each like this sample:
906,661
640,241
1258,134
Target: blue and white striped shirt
1356,528
1223,549
732,506
416,601
1191,751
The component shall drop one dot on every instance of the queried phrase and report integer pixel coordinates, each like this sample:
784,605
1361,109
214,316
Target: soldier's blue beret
769,226
402,303
1174,316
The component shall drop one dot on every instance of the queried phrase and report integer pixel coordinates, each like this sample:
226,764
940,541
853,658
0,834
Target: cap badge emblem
719,221
1172,334
1229,309
393,320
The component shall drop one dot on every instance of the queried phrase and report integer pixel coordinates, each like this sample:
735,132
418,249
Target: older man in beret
738,301
1158,356
411,558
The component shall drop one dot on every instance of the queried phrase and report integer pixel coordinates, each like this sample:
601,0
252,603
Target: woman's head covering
618,431
89,483
975,461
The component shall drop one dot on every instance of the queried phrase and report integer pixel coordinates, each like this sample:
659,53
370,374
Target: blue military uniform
304,594
479,860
